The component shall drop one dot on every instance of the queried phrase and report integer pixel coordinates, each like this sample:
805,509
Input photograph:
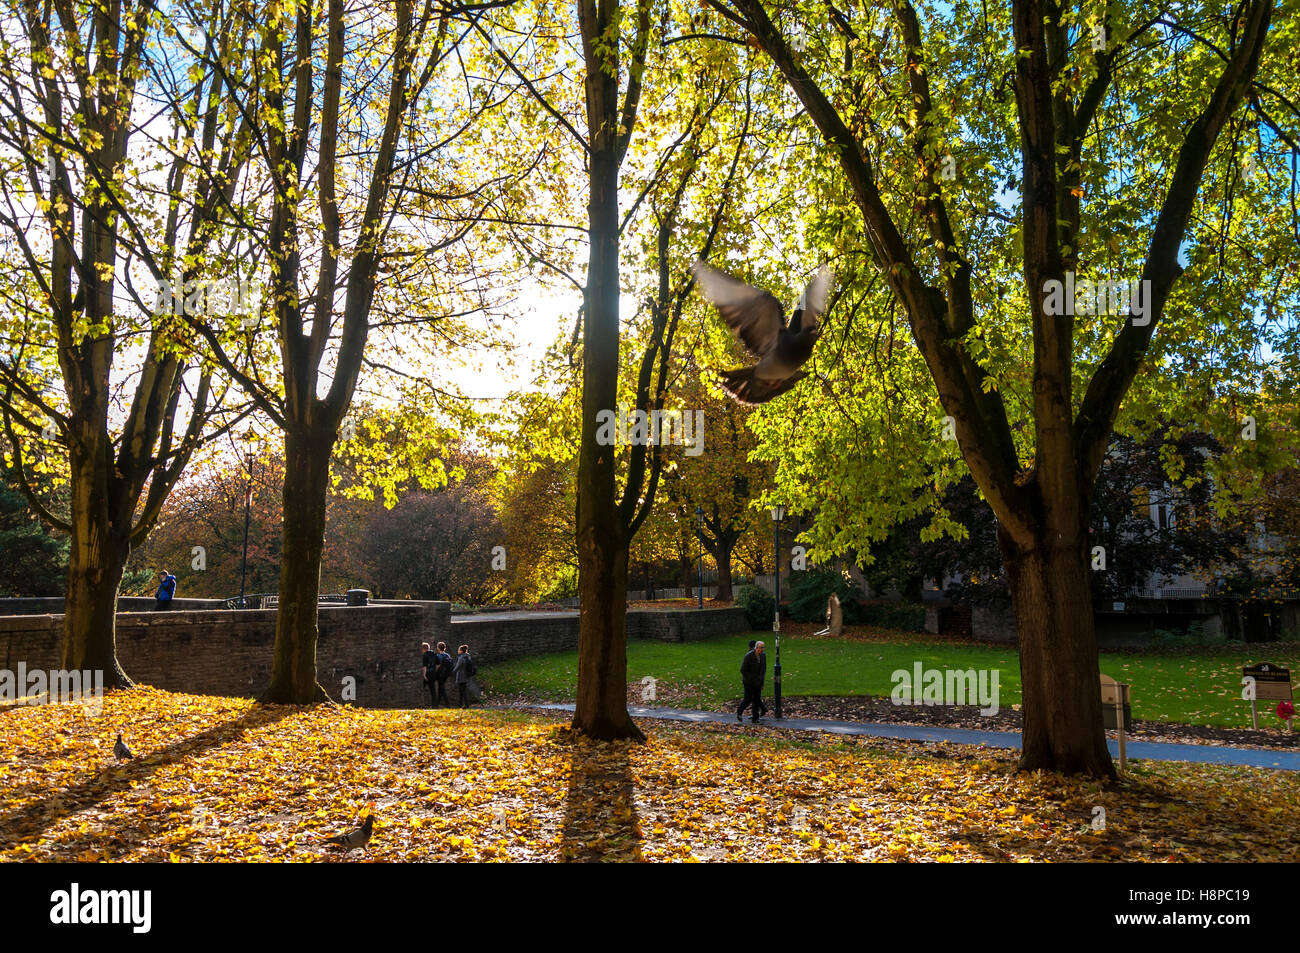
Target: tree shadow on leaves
32,820
600,816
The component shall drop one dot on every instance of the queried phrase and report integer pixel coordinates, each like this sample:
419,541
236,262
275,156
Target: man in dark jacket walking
753,671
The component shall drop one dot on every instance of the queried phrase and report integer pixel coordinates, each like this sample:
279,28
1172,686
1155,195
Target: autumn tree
362,180
991,156
437,545
667,178
207,510
536,506
723,481
103,204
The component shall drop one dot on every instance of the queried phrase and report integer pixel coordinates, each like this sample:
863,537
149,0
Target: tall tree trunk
601,712
601,705
297,625
95,563
1051,595
722,556
603,533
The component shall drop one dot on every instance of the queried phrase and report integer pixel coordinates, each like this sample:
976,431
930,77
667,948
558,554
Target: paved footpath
1135,750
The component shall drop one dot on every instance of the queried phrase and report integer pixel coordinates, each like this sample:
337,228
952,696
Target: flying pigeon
758,320
121,750
356,837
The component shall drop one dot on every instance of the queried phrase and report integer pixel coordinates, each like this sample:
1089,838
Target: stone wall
995,623
42,605
493,638
437,614
685,625
228,652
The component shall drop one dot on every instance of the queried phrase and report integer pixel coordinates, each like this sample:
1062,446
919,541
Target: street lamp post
248,512
778,514
699,535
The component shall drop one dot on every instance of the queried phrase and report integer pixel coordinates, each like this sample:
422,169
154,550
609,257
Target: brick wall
40,605
685,625
493,638
229,653
437,614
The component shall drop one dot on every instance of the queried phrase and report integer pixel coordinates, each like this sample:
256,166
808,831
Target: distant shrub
903,616
563,585
811,590
1194,637
759,606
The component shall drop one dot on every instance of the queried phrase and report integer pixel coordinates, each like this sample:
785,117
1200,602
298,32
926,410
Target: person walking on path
428,671
465,670
442,672
753,671
166,589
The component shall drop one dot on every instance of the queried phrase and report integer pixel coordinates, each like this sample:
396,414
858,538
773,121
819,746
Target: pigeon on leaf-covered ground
758,320
358,836
121,750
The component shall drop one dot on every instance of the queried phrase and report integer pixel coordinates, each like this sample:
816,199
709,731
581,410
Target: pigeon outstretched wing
813,303
753,315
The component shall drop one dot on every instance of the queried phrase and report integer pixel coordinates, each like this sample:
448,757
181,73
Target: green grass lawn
1204,688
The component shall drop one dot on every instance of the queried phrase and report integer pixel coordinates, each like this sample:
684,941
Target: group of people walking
437,667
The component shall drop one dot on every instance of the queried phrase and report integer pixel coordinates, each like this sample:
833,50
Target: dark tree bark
603,536
1042,507
606,522
1051,597
719,537
722,556
297,627
95,563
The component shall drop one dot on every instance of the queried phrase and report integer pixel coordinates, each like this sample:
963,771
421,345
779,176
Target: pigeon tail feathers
748,388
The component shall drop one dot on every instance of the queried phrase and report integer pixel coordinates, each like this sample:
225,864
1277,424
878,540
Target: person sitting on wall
166,589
